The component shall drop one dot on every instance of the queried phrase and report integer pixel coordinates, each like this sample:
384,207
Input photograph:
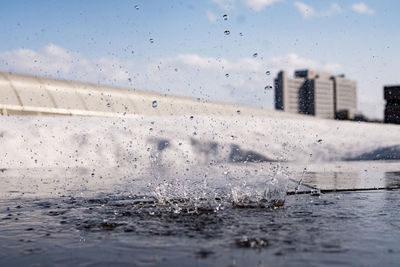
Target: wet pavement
355,228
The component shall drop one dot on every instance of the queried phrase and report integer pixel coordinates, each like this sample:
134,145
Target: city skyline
184,48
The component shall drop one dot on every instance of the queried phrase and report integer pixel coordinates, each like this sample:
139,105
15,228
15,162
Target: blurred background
220,50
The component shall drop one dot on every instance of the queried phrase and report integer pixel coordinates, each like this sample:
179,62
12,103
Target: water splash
235,159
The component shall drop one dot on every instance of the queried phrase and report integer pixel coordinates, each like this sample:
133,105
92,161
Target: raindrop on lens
225,17
227,32
154,104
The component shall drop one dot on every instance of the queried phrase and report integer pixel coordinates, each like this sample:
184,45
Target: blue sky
108,42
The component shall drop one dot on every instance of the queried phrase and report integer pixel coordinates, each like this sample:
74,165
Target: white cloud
335,8
305,10
239,81
55,61
184,74
225,4
205,77
309,12
212,17
258,5
291,62
362,8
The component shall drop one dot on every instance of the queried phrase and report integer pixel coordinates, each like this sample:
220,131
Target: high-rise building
392,108
315,93
345,96
287,93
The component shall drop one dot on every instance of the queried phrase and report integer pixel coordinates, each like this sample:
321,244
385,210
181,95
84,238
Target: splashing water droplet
238,112
137,7
315,192
267,72
151,40
225,17
191,117
108,105
227,32
319,141
227,75
176,69
154,104
268,87
255,55
198,99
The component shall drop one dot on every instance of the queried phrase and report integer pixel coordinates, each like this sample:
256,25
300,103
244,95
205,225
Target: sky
221,50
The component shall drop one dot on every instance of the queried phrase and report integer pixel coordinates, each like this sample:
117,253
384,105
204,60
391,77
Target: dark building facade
392,108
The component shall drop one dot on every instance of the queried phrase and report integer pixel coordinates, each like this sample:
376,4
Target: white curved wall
23,94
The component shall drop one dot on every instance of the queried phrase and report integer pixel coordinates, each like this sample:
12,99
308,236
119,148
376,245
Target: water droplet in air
191,117
137,7
268,87
255,55
227,75
267,72
108,105
238,112
225,17
198,99
154,104
319,141
227,32
151,40
176,69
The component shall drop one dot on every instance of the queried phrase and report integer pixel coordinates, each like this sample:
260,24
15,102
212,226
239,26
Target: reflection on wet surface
357,228
349,181
58,217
